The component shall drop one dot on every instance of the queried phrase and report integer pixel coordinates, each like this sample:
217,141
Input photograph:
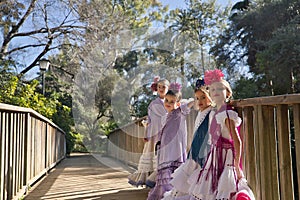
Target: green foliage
263,37
142,101
245,88
281,58
14,92
10,12
76,142
107,127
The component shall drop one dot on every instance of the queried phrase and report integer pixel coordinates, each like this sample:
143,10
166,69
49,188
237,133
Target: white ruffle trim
220,117
147,163
175,195
182,174
226,185
138,178
200,117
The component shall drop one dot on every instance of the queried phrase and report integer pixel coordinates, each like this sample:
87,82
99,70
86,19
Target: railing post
267,154
249,147
296,116
9,154
284,150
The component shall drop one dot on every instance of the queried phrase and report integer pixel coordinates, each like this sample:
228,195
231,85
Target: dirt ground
86,176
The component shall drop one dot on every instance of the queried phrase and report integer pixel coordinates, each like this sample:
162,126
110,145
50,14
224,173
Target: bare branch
44,30
15,29
36,60
25,47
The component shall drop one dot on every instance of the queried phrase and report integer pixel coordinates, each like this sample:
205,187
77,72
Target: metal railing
271,144
30,145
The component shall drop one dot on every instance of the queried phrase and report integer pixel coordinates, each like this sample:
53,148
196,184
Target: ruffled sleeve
155,111
220,117
185,110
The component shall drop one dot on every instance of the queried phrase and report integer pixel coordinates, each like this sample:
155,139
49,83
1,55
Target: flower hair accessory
156,79
154,84
200,83
212,76
175,86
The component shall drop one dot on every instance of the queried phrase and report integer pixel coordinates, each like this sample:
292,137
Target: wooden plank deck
82,176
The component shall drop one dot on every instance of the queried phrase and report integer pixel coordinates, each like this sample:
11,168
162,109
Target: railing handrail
268,100
13,108
138,120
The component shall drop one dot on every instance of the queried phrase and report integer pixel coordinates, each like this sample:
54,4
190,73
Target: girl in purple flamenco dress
172,141
147,163
221,175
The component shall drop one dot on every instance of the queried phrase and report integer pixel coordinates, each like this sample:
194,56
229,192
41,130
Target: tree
31,31
281,58
200,23
14,92
250,39
108,61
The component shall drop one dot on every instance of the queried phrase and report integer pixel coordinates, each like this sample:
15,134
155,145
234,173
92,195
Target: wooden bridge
33,151
87,176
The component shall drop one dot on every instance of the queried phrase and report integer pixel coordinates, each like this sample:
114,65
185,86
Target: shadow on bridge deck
84,176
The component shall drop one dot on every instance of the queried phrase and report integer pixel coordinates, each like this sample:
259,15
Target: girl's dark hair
175,93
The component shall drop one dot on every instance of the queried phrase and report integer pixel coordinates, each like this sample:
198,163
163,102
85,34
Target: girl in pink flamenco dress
221,177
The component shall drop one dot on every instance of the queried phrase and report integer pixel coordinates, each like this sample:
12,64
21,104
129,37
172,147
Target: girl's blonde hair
164,81
228,88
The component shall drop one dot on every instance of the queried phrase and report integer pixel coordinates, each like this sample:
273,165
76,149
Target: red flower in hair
212,76
154,87
175,86
154,84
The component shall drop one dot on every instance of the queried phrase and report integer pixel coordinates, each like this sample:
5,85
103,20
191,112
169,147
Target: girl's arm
186,107
237,146
191,103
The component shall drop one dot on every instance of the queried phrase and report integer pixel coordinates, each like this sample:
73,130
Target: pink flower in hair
212,76
156,79
175,86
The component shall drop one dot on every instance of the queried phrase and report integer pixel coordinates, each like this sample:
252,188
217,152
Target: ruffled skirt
147,165
180,181
163,179
202,181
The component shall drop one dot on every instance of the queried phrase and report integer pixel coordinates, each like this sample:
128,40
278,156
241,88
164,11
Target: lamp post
44,65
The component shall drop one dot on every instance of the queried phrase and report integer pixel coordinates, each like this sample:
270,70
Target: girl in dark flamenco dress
199,147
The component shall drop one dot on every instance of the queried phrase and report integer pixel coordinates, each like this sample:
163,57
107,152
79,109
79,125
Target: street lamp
44,65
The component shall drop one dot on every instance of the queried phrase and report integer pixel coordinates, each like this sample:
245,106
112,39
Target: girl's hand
239,173
191,102
145,123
